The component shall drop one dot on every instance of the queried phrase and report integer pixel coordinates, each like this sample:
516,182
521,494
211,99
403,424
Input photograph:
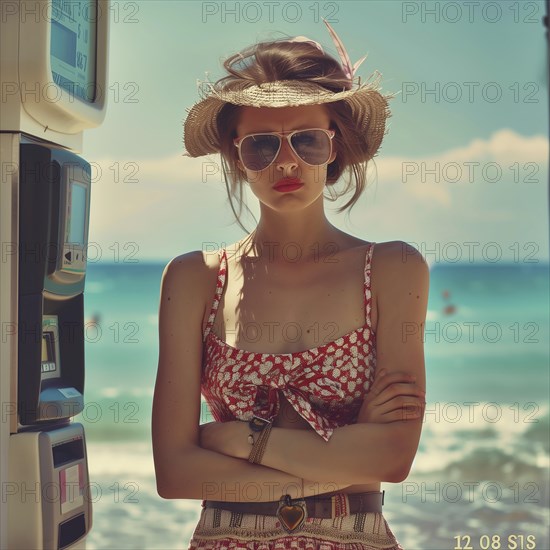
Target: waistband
317,507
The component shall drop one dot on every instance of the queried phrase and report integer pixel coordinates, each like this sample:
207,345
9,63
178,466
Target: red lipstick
288,184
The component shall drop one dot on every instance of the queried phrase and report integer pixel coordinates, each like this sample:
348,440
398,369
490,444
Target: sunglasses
258,151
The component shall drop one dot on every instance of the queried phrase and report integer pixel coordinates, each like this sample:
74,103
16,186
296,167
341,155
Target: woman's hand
229,438
393,397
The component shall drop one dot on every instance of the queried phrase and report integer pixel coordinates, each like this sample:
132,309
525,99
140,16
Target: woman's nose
286,155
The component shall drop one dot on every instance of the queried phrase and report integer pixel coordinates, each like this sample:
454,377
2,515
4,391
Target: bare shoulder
190,263
398,251
397,262
192,274
190,268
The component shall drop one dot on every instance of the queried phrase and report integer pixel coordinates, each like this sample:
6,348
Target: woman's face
287,164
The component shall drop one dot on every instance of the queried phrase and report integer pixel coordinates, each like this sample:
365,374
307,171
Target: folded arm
355,454
365,452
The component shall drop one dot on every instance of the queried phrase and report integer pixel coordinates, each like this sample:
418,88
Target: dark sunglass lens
313,146
258,151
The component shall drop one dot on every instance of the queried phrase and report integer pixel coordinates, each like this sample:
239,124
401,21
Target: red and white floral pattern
326,385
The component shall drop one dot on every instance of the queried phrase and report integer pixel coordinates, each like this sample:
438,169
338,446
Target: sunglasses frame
287,135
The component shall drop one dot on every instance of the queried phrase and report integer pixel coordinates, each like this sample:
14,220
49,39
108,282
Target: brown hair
283,60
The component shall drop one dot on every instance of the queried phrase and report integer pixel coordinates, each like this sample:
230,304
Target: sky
462,173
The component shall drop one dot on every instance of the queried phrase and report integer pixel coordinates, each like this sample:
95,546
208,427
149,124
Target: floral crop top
326,385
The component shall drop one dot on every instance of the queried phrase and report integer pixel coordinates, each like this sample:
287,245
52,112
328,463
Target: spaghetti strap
368,294
222,273
220,284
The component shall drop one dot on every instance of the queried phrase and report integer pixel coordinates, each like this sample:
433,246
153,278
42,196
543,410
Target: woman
311,413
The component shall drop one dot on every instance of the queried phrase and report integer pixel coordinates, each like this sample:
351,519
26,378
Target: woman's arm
182,468
393,397
366,452
355,454
203,474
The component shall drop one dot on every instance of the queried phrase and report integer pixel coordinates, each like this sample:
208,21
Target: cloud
432,177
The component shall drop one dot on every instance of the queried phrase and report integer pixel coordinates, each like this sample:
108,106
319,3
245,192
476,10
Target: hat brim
368,106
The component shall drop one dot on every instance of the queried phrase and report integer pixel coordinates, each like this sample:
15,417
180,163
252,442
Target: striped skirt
219,529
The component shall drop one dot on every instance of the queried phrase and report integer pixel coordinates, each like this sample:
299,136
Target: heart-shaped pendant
292,515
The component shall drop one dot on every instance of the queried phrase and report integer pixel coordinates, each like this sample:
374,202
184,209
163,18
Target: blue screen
63,44
73,43
77,214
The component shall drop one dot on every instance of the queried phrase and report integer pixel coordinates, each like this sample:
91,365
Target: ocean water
481,474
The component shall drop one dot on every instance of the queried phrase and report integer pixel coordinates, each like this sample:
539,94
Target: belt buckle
291,514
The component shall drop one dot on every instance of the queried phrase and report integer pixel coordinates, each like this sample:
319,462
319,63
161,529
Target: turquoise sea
482,469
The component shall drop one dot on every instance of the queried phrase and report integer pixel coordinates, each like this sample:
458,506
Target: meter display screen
47,347
76,226
73,46
49,360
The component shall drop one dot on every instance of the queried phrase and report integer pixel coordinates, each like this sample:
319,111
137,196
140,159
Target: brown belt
317,507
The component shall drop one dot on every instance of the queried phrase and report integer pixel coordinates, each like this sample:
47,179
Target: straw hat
368,106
